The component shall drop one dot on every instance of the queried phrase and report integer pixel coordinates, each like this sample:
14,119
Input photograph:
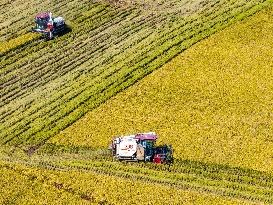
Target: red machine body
48,25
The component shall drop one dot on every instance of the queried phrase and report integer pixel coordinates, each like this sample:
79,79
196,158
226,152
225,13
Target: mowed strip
213,102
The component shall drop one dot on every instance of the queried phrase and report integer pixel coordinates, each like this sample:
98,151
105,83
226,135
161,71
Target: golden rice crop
43,186
24,187
14,43
213,102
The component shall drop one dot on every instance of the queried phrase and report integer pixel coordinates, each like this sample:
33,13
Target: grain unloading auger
141,147
48,25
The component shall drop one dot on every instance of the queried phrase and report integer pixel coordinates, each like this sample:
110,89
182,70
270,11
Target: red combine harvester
49,26
141,147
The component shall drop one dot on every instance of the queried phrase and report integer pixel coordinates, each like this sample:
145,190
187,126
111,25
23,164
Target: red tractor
49,26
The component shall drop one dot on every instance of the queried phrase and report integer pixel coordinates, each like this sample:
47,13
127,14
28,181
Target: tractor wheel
50,35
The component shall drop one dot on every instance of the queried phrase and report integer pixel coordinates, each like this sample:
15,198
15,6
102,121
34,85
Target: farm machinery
141,147
48,25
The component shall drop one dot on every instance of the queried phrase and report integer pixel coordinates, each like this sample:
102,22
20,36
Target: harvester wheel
50,35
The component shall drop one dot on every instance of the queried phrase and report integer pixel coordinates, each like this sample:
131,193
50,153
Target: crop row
95,49
53,185
55,51
54,61
217,179
66,56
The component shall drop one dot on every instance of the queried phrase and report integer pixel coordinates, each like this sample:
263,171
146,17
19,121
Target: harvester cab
141,147
146,144
48,25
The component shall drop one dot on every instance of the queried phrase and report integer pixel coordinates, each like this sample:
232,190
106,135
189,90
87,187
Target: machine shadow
66,30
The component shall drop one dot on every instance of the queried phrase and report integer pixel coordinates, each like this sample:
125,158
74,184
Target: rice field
197,72
213,102
46,86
